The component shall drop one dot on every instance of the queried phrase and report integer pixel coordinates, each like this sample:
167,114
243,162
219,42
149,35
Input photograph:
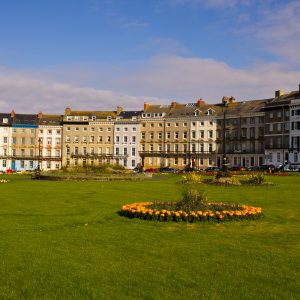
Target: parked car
237,168
150,170
167,170
212,169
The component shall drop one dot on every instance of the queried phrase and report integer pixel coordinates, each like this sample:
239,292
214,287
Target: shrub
221,174
193,196
191,178
228,180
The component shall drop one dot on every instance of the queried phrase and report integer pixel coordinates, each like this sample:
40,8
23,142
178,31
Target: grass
65,240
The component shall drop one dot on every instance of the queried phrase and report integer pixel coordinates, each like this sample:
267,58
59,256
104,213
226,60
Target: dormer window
5,120
108,118
69,118
77,118
85,118
94,118
197,112
210,111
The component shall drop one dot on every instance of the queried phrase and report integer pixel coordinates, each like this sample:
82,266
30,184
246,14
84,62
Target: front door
13,165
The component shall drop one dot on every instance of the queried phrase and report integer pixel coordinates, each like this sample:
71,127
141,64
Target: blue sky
96,54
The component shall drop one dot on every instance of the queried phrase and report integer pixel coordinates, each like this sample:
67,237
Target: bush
221,174
228,180
193,196
191,178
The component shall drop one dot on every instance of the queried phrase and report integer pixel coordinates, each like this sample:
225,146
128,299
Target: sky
98,54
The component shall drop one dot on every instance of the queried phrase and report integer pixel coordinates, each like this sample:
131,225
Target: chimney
231,99
200,102
146,105
67,111
173,104
40,115
12,114
279,93
225,100
119,109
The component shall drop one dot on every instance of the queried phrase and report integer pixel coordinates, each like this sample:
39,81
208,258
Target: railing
96,156
29,157
167,154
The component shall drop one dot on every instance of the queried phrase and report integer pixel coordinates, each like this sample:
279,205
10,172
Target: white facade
294,155
50,140
5,148
127,143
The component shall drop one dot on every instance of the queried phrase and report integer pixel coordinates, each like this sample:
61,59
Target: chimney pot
67,110
40,114
119,109
279,93
12,114
200,102
146,105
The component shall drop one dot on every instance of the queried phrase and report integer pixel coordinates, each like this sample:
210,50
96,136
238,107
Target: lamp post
39,156
224,160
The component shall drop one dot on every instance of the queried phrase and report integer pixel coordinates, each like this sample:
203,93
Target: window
84,139
279,114
271,115
133,139
202,134
100,139
85,118
84,150
151,125
84,129
68,128
57,141
49,141
210,147
117,129
194,124
109,118
176,124
193,148
77,118
76,139
108,129
75,150
92,139
125,129
117,139
133,129
76,128
151,135
125,151
125,139
100,129
278,156
143,135
151,147
57,153
202,123
252,120
4,163
159,147
92,129
133,163
185,134
168,135
69,118
159,135
31,152
295,157
133,152
210,134
202,147
184,124
108,139
68,138
22,140
117,150
193,134
49,131
176,135
211,123
94,118
176,148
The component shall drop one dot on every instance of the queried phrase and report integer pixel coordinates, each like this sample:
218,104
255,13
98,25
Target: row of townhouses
197,134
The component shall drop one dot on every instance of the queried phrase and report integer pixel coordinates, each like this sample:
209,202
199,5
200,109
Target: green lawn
65,240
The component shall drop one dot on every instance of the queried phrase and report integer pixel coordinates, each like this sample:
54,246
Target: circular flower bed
216,212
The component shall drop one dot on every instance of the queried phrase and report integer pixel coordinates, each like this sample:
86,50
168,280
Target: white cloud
27,93
159,80
279,30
